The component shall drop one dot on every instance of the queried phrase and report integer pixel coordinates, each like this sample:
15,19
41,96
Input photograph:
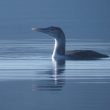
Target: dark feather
84,54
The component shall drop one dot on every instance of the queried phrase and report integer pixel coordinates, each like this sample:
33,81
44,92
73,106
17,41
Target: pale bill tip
34,29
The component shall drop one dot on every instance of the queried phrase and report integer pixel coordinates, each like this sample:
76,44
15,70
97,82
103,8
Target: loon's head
55,32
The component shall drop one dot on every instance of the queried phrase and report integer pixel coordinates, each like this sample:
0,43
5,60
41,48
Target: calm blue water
29,79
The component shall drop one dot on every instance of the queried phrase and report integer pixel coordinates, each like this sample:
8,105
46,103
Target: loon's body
84,55
59,48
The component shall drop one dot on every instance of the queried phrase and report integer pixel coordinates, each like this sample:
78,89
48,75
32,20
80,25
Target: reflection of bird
59,48
55,79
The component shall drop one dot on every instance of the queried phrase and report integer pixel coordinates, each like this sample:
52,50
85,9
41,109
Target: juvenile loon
59,47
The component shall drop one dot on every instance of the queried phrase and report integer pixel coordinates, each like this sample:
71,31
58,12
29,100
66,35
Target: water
29,79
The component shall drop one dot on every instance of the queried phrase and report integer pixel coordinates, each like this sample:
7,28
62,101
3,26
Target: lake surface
29,79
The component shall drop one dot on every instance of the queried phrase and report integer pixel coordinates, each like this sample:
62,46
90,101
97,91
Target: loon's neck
59,47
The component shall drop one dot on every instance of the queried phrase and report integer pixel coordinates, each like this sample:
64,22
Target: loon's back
84,55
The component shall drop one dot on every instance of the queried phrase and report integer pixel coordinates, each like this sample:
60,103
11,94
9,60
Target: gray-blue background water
29,79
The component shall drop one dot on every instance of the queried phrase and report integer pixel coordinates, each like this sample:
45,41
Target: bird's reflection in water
55,80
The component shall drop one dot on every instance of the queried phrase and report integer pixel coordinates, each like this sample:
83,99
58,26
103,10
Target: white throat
54,50
59,49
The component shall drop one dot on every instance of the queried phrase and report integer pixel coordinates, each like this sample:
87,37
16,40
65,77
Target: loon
59,47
